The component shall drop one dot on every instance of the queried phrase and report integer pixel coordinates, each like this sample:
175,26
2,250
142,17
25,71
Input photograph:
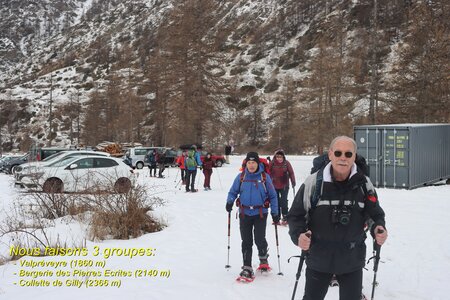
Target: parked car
86,173
41,153
35,166
135,156
218,160
5,160
9,166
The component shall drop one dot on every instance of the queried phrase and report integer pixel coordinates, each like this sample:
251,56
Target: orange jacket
180,162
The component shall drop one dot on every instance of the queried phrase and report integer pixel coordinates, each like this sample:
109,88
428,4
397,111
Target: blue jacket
197,159
252,192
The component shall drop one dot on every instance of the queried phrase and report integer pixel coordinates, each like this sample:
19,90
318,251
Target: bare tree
421,83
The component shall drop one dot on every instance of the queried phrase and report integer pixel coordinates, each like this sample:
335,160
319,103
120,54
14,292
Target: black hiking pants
317,283
152,168
190,180
248,226
282,195
161,168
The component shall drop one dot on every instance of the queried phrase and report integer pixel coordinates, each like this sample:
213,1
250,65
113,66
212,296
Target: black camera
341,215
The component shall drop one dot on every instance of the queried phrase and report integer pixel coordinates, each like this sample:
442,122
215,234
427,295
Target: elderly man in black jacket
332,230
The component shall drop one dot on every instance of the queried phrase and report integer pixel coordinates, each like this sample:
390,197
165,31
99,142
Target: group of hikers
155,160
327,219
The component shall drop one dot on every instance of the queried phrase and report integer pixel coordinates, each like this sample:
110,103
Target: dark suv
9,166
38,153
170,156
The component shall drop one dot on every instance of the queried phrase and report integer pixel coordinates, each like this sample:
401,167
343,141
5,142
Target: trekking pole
198,179
220,180
176,175
278,250
376,250
300,266
227,266
179,181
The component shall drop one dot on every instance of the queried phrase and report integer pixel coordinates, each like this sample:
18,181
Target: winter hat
252,156
279,152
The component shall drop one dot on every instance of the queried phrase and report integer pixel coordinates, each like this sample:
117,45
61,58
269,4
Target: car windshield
64,161
53,156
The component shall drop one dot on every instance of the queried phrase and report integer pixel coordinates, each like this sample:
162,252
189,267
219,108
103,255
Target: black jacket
335,248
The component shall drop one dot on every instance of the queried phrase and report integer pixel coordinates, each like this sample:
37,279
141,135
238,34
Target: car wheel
13,169
139,165
219,163
53,185
122,185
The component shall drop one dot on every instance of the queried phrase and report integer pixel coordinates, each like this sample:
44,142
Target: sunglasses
339,153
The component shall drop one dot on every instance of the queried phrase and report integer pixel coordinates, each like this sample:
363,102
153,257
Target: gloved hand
275,218
229,207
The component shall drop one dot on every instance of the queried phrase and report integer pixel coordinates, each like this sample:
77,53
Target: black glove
229,207
275,218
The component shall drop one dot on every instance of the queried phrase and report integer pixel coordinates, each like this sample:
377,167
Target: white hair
343,137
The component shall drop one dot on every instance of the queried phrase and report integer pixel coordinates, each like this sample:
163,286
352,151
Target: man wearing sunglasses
332,229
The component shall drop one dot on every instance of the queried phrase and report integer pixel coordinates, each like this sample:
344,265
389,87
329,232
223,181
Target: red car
218,160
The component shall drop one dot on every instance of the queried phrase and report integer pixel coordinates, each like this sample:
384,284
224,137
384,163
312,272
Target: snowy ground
415,258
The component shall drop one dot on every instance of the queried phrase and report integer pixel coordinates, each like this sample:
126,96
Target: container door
395,158
368,141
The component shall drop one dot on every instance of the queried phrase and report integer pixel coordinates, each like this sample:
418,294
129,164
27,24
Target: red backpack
261,160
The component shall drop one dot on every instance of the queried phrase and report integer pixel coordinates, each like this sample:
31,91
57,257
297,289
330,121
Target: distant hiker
161,160
191,162
331,225
208,164
151,160
180,163
254,193
227,153
281,171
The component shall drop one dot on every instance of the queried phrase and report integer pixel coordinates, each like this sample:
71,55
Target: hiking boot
188,190
247,272
194,190
263,259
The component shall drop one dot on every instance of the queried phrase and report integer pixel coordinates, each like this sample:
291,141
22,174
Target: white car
35,166
86,173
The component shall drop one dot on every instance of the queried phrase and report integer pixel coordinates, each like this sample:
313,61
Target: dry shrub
125,215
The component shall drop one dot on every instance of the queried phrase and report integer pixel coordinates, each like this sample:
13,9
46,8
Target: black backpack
319,164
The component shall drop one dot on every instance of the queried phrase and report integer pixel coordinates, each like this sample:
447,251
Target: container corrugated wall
405,155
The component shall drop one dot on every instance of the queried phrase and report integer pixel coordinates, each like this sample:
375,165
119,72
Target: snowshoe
264,268
246,275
